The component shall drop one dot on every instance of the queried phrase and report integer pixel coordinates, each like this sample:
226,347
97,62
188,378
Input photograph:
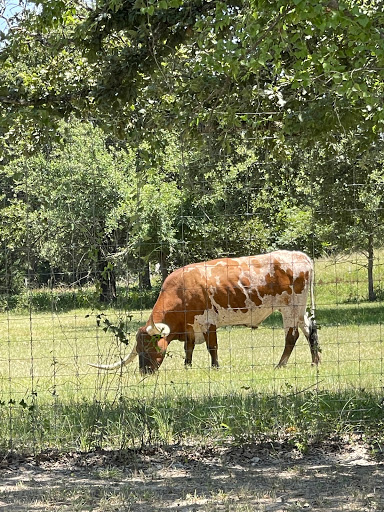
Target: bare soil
329,477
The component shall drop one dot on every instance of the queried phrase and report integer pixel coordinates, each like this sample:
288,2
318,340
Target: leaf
363,21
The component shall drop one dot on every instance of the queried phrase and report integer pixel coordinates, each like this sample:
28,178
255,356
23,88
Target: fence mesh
87,242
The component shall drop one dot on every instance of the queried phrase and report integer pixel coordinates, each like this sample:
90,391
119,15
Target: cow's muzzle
147,366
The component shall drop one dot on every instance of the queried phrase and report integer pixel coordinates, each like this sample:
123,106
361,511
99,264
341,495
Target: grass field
49,396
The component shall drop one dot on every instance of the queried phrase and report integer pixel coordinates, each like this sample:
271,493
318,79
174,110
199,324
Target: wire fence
81,274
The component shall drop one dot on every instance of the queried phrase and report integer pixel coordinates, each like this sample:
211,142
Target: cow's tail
119,364
313,337
312,292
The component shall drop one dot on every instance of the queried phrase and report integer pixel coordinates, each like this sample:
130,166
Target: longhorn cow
197,299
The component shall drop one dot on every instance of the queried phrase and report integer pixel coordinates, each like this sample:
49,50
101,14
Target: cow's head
151,346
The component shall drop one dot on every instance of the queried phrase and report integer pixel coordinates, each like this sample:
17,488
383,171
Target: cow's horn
158,328
119,364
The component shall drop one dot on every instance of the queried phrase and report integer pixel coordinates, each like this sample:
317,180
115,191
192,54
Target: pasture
51,398
241,438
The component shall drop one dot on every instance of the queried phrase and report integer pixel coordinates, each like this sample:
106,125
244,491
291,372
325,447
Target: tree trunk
371,290
107,279
145,276
163,260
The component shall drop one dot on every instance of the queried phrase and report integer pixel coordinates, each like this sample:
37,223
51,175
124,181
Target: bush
64,299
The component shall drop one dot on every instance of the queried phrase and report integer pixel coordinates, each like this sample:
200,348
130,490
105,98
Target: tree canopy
175,130
220,71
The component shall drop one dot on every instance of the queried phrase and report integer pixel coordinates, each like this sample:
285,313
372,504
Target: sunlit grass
47,358
344,279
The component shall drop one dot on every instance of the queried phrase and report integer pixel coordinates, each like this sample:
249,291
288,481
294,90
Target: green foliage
65,200
89,211
231,111
47,300
64,299
349,215
220,70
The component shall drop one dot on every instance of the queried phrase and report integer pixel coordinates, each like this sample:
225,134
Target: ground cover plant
50,397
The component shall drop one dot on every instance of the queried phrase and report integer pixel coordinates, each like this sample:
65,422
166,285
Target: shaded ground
252,478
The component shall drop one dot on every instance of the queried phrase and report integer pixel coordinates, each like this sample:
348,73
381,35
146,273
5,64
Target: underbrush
339,281
63,299
297,420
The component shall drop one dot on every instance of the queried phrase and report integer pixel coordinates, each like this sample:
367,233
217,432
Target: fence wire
85,262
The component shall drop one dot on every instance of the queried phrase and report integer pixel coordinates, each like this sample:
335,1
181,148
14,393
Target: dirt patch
250,478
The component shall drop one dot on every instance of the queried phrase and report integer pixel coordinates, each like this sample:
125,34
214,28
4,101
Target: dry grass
232,480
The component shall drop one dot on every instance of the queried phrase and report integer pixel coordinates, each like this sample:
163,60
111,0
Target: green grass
344,280
50,397
49,353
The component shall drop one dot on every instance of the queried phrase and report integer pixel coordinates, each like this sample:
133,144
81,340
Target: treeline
88,210
227,128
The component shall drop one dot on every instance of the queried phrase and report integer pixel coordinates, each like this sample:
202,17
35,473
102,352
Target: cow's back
233,291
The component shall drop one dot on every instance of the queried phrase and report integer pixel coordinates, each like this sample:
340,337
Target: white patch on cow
305,326
292,306
205,269
222,317
199,330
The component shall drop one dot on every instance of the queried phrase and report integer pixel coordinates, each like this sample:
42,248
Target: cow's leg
189,345
211,341
291,335
308,326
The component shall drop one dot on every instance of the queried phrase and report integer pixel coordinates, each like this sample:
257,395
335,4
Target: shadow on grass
197,478
356,314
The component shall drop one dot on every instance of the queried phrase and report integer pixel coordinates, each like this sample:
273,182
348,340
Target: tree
158,201
91,210
348,213
219,71
12,235
69,198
